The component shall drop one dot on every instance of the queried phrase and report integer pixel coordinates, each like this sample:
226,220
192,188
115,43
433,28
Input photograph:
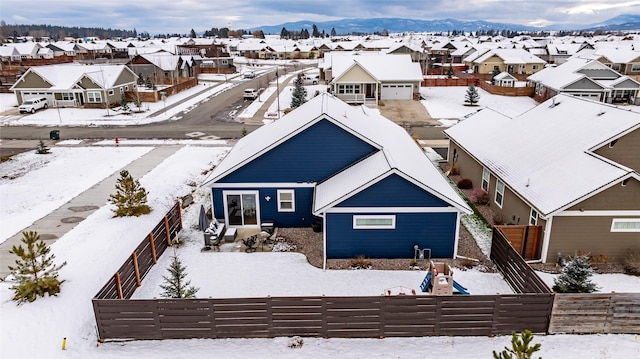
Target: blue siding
302,217
312,155
394,191
427,230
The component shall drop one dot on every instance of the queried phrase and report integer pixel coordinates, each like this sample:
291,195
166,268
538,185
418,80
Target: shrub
360,262
575,277
520,346
631,261
465,183
480,196
498,219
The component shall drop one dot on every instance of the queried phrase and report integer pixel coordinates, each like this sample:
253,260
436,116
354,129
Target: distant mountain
368,26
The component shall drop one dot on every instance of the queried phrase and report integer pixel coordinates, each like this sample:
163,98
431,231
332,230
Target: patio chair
250,243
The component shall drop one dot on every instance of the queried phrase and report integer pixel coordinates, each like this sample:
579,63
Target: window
635,67
94,96
533,217
111,92
485,179
286,201
348,89
499,193
121,90
535,67
67,96
613,143
374,222
625,225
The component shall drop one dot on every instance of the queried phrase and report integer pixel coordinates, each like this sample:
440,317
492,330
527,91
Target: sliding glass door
241,208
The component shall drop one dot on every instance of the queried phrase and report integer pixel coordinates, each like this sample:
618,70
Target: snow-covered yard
98,245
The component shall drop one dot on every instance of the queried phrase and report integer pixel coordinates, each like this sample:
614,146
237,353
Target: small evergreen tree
35,273
496,72
130,198
148,83
176,285
123,102
299,95
42,148
192,34
450,71
140,80
575,277
472,96
519,347
137,101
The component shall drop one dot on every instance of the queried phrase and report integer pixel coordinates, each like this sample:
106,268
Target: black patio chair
250,243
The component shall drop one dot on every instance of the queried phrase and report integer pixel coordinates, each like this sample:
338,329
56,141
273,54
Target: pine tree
130,198
496,72
35,272
472,97
575,277
192,34
176,285
123,102
333,32
450,71
299,95
42,148
519,347
140,80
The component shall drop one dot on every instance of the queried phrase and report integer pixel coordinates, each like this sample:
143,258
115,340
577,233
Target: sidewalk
62,220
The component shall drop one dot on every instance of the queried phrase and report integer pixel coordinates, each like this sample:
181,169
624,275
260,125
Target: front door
241,208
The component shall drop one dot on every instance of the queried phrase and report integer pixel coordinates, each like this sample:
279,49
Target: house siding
427,230
584,84
32,81
356,75
302,216
312,155
590,234
614,198
467,165
394,191
625,151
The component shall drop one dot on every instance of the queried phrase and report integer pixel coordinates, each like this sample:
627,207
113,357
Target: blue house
368,182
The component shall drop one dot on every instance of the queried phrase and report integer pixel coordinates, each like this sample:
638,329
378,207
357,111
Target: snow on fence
125,281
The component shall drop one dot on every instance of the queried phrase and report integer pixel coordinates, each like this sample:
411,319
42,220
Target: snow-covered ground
448,102
97,246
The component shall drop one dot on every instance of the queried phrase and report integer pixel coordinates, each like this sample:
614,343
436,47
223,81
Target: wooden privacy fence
613,313
329,317
524,239
125,281
521,277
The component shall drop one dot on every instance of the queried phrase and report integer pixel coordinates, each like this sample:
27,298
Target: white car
311,80
33,104
250,94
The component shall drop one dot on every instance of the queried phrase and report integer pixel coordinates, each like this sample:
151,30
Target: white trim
624,220
292,200
531,217
264,185
545,240
611,213
392,210
457,236
495,197
226,213
324,245
392,225
482,180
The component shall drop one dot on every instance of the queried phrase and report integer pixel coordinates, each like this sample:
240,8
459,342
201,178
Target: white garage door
397,92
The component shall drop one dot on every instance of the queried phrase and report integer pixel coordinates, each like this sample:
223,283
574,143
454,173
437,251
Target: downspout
457,235
547,235
324,243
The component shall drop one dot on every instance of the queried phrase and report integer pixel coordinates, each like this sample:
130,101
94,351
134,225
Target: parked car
249,74
250,94
33,104
311,80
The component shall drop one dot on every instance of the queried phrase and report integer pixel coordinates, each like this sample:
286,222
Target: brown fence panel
523,311
125,319
185,319
245,318
596,313
409,316
353,317
297,316
515,270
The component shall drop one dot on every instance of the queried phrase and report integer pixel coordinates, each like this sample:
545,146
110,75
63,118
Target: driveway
406,113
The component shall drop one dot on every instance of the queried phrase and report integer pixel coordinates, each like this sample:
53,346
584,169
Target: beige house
76,85
569,166
366,78
512,61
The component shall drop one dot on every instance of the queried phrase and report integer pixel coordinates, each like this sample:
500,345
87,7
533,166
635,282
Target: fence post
166,228
136,268
153,249
179,212
119,285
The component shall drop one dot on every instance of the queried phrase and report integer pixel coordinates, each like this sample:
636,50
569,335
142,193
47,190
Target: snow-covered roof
509,56
66,76
545,155
398,151
382,67
163,60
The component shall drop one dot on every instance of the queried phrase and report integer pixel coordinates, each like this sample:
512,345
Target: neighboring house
626,61
75,85
366,78
162,68
375,191
513,61
585,78
569,165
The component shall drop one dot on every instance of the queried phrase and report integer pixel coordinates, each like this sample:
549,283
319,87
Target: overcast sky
180,16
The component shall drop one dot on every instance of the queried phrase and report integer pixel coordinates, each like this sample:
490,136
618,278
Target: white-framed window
485,179
286,200
348,89
625,225
94,96
533,217
635,67
499,193
535,67
374,221
67,96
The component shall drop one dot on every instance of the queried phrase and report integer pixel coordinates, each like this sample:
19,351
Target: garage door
397,92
